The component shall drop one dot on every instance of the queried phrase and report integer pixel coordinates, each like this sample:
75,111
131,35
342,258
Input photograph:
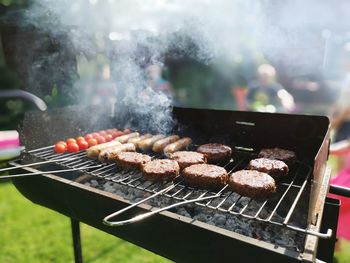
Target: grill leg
76,241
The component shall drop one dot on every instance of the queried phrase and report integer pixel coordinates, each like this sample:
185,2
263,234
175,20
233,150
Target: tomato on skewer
83,145
73,147
92,142
71,140
87,137
60,147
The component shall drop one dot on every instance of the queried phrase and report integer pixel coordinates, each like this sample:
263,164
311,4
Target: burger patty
252,183
160,170
187,158
278,154
132,160
205,176
215,152
275,168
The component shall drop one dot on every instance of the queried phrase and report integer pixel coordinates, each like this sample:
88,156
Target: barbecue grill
186,224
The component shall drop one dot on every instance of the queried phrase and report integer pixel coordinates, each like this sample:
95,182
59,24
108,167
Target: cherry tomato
73,147
95,134
88,137
117,134
60,147
80,138
108,137
102,133
126,131
63,142
114,134
83,144
71,140
100,139
92,142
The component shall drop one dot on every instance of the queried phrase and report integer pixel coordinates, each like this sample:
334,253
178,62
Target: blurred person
157,82
239,94
340,117
103,88
267,94
340,113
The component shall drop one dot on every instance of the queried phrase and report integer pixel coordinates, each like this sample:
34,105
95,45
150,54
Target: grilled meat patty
252,183
276,168
215,152
187,158
205,176
159,170
132,160
284,155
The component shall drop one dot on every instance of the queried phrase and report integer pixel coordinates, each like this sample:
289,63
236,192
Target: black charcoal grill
198,231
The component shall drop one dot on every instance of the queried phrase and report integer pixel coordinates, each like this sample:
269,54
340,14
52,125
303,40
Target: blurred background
285,56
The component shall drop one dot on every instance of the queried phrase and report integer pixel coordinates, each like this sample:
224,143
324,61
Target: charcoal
270,233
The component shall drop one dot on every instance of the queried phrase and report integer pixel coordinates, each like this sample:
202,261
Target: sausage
159,145
178,145
147,144
95,150
126,137
109,154
137,139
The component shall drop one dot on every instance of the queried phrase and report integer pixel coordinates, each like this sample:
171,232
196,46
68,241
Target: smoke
217,27
135,34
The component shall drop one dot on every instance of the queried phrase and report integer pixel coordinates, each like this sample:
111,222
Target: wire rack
278,210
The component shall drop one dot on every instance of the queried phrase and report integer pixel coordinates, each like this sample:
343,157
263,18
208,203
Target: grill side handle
339,190
38,102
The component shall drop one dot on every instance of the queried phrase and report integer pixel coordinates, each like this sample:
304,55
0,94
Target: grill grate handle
35,164
137,218
6,177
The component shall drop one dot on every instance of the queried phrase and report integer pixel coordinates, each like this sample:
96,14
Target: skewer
38,163
39,149
48,172
105,220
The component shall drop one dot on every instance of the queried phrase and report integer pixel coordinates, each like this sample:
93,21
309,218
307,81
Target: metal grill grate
278,210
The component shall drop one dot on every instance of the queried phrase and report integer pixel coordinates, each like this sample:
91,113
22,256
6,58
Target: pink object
240,94
343,179
9,139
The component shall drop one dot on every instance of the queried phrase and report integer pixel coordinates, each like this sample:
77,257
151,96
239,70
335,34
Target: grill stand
326,247
78,257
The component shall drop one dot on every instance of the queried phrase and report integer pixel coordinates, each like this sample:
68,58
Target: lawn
344,255
30,233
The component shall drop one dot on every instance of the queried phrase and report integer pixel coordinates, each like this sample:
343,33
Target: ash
259,230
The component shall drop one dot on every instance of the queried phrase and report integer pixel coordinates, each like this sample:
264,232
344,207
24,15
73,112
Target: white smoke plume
219,29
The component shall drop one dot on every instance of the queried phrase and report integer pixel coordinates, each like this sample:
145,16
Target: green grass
343,256
30,233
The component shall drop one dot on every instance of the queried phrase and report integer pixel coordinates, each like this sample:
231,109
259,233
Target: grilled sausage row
105,152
